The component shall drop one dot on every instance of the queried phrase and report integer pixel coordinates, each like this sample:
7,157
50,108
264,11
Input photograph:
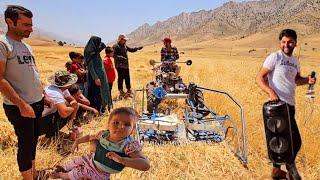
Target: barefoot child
112,153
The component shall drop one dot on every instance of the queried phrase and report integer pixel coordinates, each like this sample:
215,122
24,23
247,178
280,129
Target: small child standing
108,66
77,68
114,151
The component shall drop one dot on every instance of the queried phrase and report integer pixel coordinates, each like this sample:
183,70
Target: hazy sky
79,19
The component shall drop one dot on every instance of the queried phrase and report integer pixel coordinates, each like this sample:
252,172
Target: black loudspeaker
278,131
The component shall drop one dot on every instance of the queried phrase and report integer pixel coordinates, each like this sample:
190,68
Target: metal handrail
244,156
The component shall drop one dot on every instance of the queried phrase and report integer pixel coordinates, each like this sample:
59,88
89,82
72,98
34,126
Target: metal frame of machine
200,123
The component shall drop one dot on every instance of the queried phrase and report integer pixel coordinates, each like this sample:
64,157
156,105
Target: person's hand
97,82
26,110
114,156
75,147
75,105
48,102
95,112
312,80
141,47
132,147
101,46
273,96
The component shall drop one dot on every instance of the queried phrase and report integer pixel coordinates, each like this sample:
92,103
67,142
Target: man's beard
24,34
289,52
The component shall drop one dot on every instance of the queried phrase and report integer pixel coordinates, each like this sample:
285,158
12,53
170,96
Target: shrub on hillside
60,43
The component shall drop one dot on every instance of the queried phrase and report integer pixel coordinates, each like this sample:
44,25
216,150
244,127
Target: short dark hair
108,50
13,11
68,64
288,33
73,89
124,110
73,55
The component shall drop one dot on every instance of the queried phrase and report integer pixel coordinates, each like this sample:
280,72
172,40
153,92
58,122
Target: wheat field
220,64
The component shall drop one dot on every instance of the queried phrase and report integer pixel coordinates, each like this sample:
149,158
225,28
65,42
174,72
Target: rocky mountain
236,19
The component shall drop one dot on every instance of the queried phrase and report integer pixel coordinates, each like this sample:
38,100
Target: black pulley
189,62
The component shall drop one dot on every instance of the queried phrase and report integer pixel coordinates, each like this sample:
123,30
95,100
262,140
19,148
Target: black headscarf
93,47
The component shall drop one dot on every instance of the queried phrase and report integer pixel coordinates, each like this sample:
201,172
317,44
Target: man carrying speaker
278,77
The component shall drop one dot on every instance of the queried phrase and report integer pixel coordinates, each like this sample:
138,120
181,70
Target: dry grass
212,67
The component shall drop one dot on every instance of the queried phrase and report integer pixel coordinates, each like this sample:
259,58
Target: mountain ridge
237,19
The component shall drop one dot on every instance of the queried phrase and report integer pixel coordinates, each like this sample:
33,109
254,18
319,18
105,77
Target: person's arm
73,102
261,80
92,70
135,160
84,139
176,54
75,105
93,73
7,90
68,97
163,54
302,80
47,101
132,49
88,108
87,138
82,99
81,72
63,110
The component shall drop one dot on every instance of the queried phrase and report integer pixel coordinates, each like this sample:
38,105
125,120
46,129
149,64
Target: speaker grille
276,124
278,145
278,131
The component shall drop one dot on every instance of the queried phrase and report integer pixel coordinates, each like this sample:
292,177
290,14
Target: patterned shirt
166,52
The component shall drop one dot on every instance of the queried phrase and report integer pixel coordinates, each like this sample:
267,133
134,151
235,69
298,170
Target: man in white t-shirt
278,77
55,117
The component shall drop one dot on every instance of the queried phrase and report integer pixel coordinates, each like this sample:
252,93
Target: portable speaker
278,131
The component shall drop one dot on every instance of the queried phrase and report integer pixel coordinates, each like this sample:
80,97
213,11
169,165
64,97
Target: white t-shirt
57,96
281,79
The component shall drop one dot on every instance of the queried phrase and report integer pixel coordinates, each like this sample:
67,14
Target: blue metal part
159,92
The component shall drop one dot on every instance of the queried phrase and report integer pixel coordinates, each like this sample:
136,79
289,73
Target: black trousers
110,88
94,96
123,74
296,138
51,124
27,132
